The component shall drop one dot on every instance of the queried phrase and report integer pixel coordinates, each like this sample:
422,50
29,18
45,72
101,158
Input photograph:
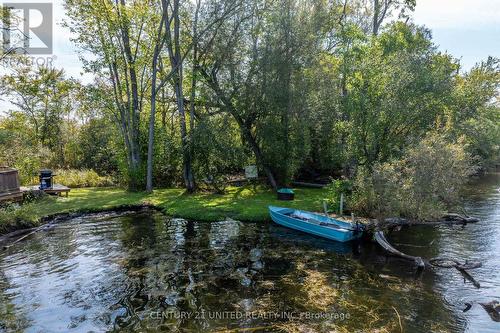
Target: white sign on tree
251,172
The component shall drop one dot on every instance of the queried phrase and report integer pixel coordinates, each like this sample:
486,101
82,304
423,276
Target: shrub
15,216
422,185
33,195
334,190
79,178
82,178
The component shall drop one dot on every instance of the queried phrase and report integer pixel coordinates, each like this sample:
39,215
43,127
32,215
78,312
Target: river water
146,272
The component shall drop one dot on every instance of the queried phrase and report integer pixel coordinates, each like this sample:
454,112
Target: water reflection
143,271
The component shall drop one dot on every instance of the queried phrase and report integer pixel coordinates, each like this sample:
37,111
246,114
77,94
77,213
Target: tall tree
176,60
233,58
113,32
158,44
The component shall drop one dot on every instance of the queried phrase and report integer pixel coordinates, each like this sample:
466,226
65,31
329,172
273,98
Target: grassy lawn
240,203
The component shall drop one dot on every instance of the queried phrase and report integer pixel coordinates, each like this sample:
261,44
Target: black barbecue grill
46,181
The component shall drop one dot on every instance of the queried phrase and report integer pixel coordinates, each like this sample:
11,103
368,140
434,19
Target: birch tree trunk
176,61
152,116
133,102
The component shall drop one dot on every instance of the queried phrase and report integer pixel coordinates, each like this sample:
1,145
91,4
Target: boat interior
313,221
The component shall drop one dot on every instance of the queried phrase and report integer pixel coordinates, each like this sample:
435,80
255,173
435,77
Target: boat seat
306,219
330,225
298,217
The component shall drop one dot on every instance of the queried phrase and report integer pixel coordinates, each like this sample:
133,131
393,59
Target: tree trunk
149,173
288,91
186,156
154,68
247,133
376,14
192,106
176,62
194,69
245,130
135,156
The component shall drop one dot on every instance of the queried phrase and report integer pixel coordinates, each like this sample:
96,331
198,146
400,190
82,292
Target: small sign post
325,208
341,208
251,172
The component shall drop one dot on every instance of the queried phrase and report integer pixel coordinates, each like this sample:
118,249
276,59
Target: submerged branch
384,243
441,262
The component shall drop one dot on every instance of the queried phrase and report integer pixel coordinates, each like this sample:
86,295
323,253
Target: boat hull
343,233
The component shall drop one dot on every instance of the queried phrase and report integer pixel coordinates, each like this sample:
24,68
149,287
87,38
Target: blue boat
316,224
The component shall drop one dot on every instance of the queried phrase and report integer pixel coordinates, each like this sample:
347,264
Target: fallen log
26,235
493,309
382,241
469,277
449,263
304,184
462,268
394,222
437,262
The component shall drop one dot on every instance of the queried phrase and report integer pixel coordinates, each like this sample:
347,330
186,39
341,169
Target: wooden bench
56,189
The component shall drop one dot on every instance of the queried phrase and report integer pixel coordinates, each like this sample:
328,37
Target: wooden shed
9,185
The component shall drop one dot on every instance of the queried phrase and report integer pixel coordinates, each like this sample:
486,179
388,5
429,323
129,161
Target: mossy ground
241,203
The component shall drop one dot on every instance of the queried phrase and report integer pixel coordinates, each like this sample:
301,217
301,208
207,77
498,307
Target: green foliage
94,147
295,87
136,178
219,151
82,178
41,133
43,95
375,191
14,216
334,190
74,178
397,93
422,185
476,111
34,195
167,167
482,135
